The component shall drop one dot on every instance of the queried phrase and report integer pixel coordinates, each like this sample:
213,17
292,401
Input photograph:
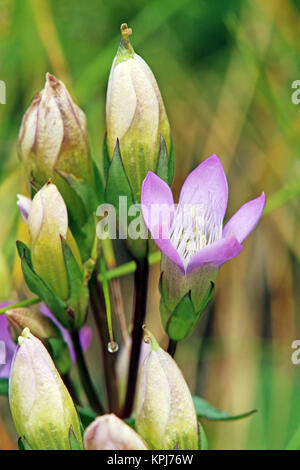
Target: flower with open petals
191,236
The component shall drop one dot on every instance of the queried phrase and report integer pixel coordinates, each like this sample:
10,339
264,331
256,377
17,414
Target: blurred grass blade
294,443
283,195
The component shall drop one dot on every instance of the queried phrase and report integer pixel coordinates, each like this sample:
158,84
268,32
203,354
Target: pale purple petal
216,253
207,186
9,344
157,203
245,219
158,211
24,205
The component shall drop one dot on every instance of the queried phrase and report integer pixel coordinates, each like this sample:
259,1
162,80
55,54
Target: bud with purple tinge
54,137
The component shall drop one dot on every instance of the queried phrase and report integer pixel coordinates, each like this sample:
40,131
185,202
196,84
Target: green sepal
39,287
208,411
206,300
87,416
117,183
203,442
23,444
83,227
171,164
78,292
4,386
59,351
182,320
165,162
106,159
162,169
74,444
99,186
130,421
84,191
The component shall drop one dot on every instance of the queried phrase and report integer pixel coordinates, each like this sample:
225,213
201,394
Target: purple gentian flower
191,236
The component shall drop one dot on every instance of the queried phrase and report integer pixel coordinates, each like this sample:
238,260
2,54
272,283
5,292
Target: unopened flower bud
41,407
43,328
108,432
40,326
135,114
166,416
48,224
54,136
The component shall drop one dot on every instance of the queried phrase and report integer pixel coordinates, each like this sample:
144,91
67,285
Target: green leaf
203,442
182,320
162,169
3,386
117,182
78,293
206,410
37,285
87,416
74,444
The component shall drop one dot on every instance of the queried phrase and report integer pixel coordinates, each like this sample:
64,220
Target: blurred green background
225,70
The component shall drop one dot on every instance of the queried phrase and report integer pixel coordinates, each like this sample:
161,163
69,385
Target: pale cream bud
135,114
41,407
108,432
47,224
165,414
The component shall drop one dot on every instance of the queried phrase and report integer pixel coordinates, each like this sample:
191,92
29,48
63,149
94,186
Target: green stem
22,303
141,285
109,359
172,347
85,376
129,268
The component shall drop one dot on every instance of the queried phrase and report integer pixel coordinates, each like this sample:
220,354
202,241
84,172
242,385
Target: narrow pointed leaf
37,285
206,410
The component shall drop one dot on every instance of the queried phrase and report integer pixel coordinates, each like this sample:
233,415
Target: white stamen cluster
193,228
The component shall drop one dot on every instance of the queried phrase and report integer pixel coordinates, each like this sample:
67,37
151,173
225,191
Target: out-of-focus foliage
225,70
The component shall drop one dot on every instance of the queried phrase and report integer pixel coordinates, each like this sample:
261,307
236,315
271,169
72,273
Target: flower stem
71,389
141,284
22,303
109,359
130,267
84,375
172,347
